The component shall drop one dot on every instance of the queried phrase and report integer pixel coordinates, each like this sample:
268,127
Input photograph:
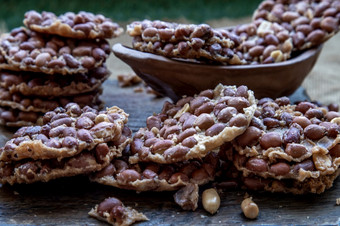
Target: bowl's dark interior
175,78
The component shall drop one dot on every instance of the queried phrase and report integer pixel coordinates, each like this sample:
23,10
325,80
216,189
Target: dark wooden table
67,201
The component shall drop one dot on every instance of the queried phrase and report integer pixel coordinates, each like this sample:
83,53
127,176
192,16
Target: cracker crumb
126,80
149,90
337,201
138,89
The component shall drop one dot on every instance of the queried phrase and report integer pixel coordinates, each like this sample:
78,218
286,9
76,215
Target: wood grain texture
67,201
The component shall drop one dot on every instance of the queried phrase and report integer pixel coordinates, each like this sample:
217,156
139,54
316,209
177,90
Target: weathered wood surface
67,201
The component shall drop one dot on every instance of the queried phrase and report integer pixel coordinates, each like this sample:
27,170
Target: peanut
249,208
211,200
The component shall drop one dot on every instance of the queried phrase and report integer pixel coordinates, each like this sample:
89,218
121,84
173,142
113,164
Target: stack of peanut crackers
51,62
72,141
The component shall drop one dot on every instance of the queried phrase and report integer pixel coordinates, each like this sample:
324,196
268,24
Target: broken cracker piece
187,197
194,126
113,211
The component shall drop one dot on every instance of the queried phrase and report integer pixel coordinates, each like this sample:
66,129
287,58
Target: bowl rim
120,50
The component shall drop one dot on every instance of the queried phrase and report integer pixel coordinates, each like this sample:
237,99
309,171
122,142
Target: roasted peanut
239,103
186,133
225,114
249,208
161,145
302,121
280,168
292,135
238,120
314,113
271,122
176,153
153,121
304,106
215,129
271,139
257,165
204,121
211,200
128,175
107,205
331,115
42,59
295,150
189,142
249,137
307,165
314,132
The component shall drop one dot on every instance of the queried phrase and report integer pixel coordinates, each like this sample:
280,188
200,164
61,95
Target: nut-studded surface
153,31
16,118
184,41
310,185
262,42
194,125
230,178
41,104
113,211
37,84
310,23
258,42
289,141
65,132
29,171
83,25
158,177
27,50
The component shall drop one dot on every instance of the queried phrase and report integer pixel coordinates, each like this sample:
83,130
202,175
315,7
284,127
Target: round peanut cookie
158,177
309,23
39,104
88,161
65,133
289,141
42,85
26,50
194,125
188,41
114,212
82,25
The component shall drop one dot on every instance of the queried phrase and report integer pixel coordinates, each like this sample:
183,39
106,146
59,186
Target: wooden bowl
175,78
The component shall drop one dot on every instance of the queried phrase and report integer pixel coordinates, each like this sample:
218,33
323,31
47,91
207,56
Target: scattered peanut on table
211,200
250,208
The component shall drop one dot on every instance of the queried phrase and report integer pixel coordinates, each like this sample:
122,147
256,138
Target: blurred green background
195,11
